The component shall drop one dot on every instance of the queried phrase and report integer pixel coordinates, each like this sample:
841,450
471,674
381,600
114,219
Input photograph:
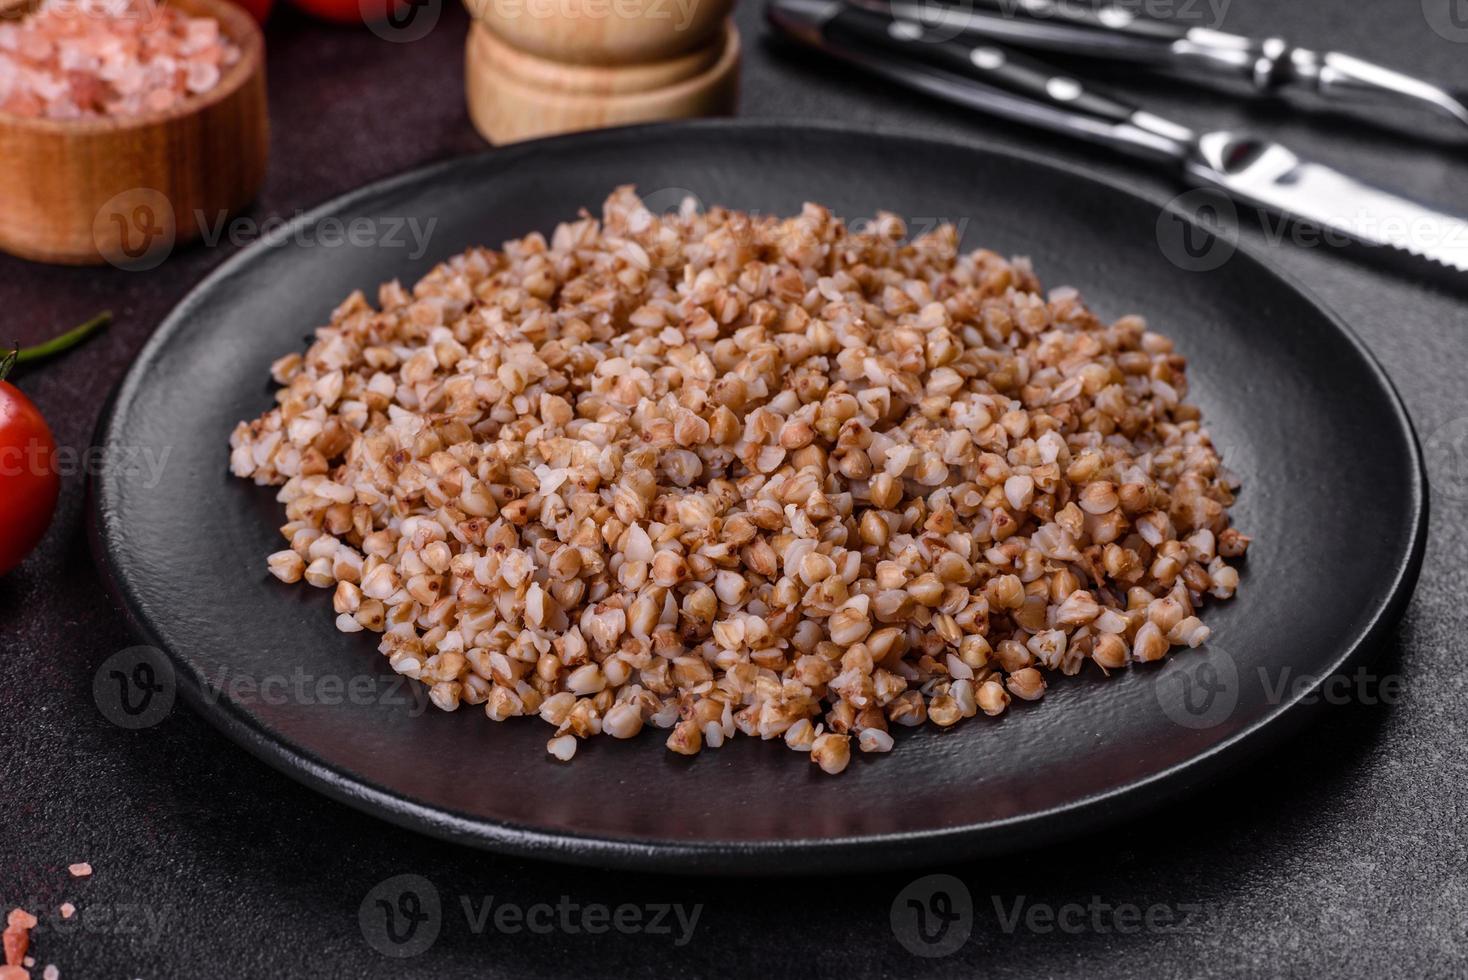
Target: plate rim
855,853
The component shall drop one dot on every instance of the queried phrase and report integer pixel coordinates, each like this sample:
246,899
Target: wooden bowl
604,32
125,191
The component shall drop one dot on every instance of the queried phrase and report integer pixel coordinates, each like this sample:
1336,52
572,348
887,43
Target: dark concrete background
1342,853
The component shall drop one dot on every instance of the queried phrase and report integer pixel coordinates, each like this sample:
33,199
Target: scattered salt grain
80,870
17,939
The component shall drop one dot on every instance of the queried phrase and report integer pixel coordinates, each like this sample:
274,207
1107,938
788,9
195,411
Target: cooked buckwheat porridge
715,474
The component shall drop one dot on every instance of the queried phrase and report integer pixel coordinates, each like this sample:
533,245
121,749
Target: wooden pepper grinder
535,67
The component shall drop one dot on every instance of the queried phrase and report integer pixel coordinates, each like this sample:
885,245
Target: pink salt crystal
87,91
23,104
201,32
130,80
202,76
50,973
63,108
48,87
35,47
80,870
77,58
67,910
159,99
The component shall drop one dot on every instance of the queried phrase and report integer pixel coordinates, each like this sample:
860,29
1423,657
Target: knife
1267,65
1250,169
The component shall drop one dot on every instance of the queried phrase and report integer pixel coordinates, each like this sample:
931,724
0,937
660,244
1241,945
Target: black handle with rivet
978,74
1003,68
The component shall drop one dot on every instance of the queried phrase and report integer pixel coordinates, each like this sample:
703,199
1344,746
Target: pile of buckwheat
716,473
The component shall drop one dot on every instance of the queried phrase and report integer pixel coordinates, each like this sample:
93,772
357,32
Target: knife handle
986,63
1110,32
982,76
1107,31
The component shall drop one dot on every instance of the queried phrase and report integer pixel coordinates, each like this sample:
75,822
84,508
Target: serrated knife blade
1267,175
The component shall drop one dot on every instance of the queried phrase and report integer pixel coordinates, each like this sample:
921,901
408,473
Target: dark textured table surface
1340,853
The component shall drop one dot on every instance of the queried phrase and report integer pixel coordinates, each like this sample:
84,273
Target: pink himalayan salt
75,59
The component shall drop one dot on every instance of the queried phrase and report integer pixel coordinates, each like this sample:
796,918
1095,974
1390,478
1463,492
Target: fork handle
990,64
1108,31
983,76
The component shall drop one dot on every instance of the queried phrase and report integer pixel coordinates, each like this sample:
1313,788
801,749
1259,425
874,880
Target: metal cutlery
995,79
1112,32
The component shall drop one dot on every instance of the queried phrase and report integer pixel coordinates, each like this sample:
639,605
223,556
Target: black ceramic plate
1333,495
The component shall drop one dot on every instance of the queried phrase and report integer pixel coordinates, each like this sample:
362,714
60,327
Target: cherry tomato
28,479
353,11
258,9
